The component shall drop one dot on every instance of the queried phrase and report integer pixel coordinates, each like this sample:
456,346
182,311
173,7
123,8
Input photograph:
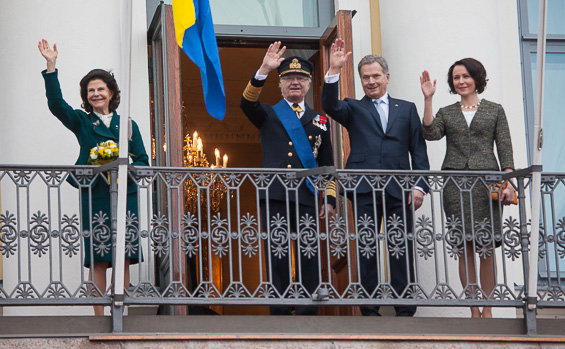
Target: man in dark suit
385,134
292,136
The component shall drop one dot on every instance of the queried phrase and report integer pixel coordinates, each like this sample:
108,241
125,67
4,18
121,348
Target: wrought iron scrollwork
70,235
8,234
308,236
160,235
189,235
101,234
39,234
249,235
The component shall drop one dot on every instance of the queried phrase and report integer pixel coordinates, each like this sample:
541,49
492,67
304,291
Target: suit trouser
278,248
400,249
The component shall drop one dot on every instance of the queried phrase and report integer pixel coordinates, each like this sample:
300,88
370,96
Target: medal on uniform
320,121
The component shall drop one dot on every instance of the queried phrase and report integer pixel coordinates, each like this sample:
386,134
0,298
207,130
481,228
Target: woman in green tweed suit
100,122
472,127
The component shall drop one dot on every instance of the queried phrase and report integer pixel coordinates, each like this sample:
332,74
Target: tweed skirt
472,217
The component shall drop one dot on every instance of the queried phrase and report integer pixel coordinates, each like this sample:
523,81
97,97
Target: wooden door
339,273
167,138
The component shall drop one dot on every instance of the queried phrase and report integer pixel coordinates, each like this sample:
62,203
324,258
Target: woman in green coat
101,96
471,127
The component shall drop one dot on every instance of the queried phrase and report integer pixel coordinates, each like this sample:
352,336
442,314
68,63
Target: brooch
96,123
320,121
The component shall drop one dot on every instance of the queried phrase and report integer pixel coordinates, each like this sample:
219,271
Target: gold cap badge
295,65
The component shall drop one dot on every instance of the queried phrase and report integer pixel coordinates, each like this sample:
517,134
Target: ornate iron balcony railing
256,237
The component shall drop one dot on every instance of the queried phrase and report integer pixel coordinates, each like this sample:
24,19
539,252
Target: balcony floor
141,331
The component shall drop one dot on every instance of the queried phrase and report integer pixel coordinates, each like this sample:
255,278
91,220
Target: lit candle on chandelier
198,148
225,160
194,138
217,153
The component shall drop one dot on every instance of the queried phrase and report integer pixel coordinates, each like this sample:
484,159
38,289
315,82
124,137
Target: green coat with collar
90,131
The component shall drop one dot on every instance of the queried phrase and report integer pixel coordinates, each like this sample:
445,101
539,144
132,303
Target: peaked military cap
295,64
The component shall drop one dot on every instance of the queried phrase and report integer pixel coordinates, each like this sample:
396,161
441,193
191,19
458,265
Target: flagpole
536,162
119,263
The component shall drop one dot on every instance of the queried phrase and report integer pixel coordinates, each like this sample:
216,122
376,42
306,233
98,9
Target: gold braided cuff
331,189
252,93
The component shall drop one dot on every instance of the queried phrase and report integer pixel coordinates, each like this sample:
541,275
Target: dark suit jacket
401,148
472,146
278,150
90,130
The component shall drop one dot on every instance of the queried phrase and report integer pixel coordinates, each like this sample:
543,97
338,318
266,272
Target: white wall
88,35
361,29
431,35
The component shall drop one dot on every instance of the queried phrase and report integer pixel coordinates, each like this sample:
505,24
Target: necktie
381,113
297,109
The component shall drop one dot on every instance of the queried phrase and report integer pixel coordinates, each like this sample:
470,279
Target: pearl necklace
471,106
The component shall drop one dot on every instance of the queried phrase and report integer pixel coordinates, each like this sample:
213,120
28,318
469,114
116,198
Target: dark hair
475,69
370,59
108,78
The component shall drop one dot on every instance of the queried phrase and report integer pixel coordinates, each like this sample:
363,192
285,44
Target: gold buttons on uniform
289,166
290,154
310,137
290,143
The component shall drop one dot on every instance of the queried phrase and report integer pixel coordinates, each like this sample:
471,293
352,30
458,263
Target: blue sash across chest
297,135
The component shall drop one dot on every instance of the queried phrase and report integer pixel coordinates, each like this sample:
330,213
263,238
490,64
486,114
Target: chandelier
194,157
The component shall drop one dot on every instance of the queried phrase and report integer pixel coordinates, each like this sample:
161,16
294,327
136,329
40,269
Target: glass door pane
553,160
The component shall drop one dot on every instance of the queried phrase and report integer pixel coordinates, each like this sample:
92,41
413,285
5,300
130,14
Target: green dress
90,131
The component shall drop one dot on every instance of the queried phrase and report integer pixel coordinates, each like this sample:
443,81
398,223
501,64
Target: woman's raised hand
428,88
49,54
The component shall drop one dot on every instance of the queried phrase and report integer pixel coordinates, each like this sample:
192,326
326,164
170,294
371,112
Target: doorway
179,110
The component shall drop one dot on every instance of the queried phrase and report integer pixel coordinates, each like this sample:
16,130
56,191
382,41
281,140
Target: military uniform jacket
472,146
89,129
277,148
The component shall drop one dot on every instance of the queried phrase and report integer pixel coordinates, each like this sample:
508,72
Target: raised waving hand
338,56
428,88
49,54
273,58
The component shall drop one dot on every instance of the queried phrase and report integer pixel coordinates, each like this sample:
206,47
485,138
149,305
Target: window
281,13
553,152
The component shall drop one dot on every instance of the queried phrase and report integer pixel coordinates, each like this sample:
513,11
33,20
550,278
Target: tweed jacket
277,147
89,129
402,147
473,146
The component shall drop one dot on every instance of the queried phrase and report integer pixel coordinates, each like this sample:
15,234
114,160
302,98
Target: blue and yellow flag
195,35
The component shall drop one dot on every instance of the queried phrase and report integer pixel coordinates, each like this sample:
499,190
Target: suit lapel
115,125
368,104
309,114
99,127
479,115
393,110
460,119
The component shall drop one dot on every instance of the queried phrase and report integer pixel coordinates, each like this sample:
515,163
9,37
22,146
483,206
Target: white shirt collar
106,119
384,98
301,104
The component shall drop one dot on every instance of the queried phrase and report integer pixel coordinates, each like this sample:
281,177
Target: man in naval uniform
292,136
